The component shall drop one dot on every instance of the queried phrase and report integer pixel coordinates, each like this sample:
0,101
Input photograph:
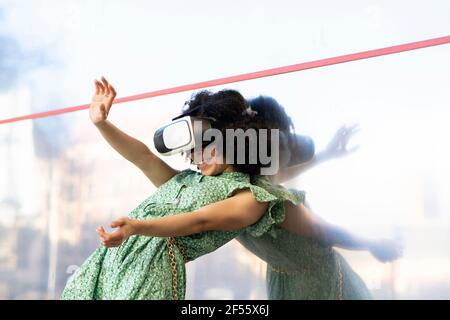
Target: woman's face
207,161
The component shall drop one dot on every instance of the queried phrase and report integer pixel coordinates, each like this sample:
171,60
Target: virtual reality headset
180,135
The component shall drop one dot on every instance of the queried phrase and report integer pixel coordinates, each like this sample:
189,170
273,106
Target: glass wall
59,179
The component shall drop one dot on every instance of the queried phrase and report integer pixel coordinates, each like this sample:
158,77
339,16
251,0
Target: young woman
301,261
189,215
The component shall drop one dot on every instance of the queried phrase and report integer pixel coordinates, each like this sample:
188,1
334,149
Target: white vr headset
180,135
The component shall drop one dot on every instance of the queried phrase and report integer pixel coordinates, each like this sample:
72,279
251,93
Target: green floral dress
299,267
153,267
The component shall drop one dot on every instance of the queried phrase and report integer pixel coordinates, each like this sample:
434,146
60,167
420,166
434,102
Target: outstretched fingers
353,149
102,234
101,87
97,87
113,91
106,85
345,135
351,131
114,239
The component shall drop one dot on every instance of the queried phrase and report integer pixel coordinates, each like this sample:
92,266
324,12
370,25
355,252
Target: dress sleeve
275,211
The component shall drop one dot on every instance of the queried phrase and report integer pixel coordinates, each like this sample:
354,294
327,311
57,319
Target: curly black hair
272,112
294,148
227,108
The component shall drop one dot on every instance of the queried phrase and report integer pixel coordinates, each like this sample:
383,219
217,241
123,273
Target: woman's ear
215,154
208,153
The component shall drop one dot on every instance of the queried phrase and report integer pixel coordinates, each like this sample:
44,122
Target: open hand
126,228
101,101
337,147
385,250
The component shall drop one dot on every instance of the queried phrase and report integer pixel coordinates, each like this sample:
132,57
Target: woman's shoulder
183,175
186,173
181,178
280,191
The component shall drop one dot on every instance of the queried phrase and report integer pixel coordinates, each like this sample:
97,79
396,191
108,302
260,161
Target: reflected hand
101,101
385,250
337,147
126,228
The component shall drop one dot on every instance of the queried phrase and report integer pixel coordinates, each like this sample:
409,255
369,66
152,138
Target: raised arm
336,148
234,213
156,170
300,220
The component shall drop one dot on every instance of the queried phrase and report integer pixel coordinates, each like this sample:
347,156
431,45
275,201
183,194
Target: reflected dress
300,267
146,267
